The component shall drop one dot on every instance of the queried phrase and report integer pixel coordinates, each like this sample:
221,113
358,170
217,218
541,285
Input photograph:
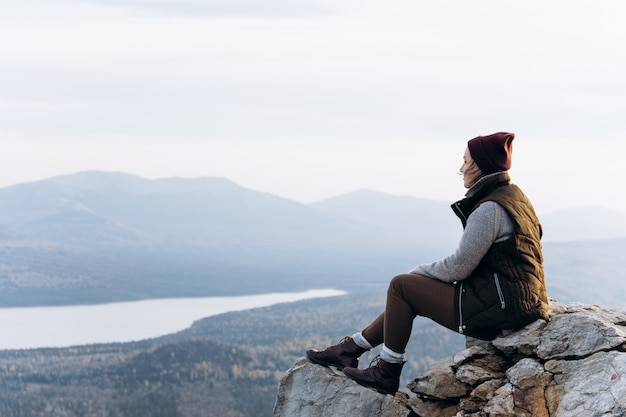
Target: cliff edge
574,365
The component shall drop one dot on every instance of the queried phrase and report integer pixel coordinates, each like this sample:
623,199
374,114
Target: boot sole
378,390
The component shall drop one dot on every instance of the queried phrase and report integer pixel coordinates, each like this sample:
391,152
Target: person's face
469,169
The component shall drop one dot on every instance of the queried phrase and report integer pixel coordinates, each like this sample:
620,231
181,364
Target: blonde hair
472,170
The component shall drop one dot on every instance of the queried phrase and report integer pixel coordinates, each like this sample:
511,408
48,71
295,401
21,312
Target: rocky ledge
574,365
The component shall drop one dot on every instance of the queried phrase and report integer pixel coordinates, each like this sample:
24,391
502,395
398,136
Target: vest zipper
497,280
461,326
457,209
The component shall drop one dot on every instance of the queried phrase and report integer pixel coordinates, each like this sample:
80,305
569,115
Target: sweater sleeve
487,224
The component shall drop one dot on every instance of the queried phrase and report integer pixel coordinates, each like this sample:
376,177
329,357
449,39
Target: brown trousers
408,296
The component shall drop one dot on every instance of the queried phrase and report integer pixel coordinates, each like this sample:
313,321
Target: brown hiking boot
346,353
382,376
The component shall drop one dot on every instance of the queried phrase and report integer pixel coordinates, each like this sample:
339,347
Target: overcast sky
310,99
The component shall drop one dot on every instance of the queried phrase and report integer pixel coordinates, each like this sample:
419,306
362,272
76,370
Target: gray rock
594,386
528,373
502,404
574,365
582,333
309,390
422,407
440,382
522,343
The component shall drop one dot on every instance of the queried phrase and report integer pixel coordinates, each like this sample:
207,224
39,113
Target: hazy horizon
309,101
591,205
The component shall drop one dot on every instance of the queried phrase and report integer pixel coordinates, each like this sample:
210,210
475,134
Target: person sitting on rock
492,282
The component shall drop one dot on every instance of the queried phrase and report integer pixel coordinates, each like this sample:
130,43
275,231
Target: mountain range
105,236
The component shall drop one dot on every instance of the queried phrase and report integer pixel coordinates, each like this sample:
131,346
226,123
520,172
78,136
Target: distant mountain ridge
584,223
574,224
402,214
97,236
109,236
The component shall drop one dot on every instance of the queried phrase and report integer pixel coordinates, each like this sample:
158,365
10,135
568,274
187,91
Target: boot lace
375,361
344,340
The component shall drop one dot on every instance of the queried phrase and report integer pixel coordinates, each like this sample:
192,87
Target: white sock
361,341
390,356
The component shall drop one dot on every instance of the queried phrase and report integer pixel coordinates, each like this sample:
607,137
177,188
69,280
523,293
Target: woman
493,281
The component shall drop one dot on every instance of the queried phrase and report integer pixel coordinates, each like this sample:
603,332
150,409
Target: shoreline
129,321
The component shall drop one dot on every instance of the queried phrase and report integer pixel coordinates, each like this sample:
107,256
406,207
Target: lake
35,327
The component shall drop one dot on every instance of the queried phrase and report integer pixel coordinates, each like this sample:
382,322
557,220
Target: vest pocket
499,288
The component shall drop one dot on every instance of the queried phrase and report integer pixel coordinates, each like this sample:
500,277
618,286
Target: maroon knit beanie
492,153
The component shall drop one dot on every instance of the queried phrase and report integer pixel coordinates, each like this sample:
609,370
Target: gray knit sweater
488,223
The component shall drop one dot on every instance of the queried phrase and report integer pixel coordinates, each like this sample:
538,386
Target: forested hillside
227,365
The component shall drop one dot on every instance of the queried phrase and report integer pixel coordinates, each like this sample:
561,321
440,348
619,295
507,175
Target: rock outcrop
571,366
309,390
